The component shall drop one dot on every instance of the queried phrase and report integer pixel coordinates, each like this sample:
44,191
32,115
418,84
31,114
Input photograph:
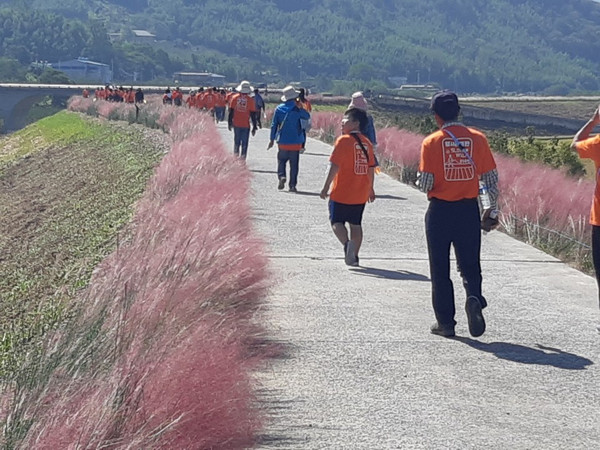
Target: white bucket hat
289,93
244,87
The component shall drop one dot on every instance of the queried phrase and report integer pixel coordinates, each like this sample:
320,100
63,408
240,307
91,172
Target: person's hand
324,193
489,220
270,146
371,196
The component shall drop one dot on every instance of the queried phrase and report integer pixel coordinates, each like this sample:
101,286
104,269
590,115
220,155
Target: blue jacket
369,130
287,116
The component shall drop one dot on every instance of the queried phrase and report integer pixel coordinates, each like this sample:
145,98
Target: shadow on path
263,171
311,194
389,274
388,197
546,356
316,154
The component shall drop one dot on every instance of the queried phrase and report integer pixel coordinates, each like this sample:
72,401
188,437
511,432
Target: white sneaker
350,257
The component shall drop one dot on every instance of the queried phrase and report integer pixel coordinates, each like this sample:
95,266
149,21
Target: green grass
68,185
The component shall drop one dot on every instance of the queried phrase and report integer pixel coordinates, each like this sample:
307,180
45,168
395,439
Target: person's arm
585,131
230,119
253,120
490,179
333,170
371,175
274,127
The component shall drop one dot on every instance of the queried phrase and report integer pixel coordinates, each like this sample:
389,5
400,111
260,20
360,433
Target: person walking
453,161
359,102
139,96
242,112
260,107
589,148
287,131
350,177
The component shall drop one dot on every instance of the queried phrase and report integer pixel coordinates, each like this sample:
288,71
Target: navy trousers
454,224
293,157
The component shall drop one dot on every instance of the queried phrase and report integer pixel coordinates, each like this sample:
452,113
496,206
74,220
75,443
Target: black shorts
342,213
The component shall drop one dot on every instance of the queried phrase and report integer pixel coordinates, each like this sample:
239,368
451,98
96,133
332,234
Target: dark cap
445,104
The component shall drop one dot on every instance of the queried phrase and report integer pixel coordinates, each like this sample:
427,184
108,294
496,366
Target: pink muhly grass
401,147
175,308
194,393
542,195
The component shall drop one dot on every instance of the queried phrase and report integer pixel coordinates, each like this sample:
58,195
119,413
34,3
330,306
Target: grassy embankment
68,187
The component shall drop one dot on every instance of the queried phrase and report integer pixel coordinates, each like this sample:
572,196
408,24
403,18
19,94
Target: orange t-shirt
220,101
352,184
590,149
456,175
242,105
209,99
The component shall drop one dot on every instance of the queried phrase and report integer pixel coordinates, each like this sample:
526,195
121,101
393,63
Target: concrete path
362,370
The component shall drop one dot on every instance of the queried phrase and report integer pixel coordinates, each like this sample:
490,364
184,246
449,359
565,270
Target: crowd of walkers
117,94
457,171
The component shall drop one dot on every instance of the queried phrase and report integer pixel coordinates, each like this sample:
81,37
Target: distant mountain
468,45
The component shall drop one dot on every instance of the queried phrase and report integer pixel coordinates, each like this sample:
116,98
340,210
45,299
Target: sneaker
350,257
442,330
475,317
281,184
293,189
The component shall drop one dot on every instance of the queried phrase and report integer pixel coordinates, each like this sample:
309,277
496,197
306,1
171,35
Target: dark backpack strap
362,146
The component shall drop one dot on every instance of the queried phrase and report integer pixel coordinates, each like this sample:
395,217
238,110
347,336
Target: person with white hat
287,130
242,112
359,102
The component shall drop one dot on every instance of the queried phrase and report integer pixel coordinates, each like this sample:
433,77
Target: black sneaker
442,330
281,184
475,317
293,189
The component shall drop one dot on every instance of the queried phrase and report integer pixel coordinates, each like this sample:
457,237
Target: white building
84,70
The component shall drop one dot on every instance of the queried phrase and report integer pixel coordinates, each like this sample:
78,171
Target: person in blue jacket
287,131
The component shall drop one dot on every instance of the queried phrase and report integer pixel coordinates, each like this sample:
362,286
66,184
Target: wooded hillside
468,45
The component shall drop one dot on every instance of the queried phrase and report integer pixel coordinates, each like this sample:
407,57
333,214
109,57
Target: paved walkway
362,370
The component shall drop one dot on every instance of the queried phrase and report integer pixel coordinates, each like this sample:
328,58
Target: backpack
306,124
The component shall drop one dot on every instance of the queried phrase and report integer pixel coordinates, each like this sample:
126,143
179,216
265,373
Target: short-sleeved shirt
456,173
242,105
352,184
590,149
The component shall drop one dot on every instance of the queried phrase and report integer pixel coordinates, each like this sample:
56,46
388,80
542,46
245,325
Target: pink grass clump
401,147
176,307
543,195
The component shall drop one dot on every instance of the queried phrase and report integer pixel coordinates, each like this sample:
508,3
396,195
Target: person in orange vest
209,100
129,96
199,98
191,99
177,96
167,97
455,161
588,147
350,177
242,112
220,104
